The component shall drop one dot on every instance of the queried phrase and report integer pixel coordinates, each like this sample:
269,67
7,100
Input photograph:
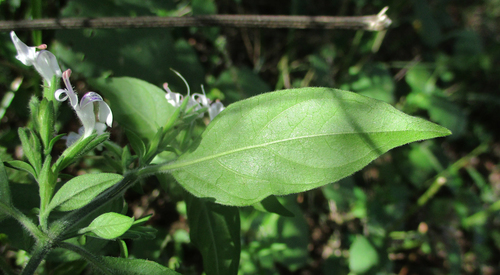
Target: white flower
215,109
197,101
173,98
85,110
43,61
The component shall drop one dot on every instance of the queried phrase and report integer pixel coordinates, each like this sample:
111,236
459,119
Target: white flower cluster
197,100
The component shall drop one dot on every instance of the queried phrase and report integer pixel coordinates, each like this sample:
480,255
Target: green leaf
136,267
4,188
109,225
31,148
362,255
46,118
81,190
136,143
292,141
72,153
215,231
272,205
138,106
21,165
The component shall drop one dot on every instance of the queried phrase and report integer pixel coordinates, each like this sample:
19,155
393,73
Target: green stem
438,181
93,259
36,13
39,252
6,268
23,220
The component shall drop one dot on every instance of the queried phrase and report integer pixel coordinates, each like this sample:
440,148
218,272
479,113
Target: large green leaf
137,105
81,190
292,141
215,231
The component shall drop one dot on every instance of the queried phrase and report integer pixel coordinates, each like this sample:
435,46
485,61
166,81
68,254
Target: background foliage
425,208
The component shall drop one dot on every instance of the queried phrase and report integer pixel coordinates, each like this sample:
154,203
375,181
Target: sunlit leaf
109,225
293,141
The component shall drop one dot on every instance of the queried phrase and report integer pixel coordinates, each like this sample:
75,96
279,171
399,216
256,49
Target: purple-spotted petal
89,97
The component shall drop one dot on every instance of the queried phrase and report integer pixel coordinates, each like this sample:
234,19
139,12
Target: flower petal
73,98
104,114
90,97
202,99
25,54
59,93
47,66
174,99
215,109
72,138
87,116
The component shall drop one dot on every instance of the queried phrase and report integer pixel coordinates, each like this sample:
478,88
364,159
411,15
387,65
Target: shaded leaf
4,188
215,231
272,205
136,267
81,190
137,105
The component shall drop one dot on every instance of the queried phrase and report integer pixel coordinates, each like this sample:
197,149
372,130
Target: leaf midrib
181,164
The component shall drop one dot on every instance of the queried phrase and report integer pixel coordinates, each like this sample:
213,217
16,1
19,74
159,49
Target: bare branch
372,22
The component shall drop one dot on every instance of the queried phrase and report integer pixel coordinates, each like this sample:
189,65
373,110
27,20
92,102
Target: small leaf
136,143
292,141
272,205
21,165
54,140
46,118
72,153
109,225
362,255
81,190
215,231
31,148
136,267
